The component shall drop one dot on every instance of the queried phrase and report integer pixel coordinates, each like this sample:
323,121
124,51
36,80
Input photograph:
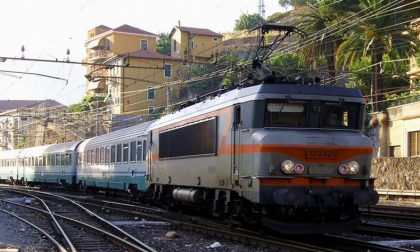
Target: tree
295,3
248,21
386,30
164,44
320,22
86,103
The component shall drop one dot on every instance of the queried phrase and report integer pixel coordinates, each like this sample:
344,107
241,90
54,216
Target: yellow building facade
194,45
104,43
140,88
123,63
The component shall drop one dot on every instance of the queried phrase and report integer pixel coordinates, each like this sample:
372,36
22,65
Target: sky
47,28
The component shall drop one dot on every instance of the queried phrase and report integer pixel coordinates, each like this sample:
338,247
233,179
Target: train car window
139,151
44,160
102,155
283,114
113,154
63,159
40,161
192,136
106,154
144,150
133,151
57,159
88,156
340,115
125,152
119,153
237,117
97,156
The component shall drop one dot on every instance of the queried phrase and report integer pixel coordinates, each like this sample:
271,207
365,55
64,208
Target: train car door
236,145
149,157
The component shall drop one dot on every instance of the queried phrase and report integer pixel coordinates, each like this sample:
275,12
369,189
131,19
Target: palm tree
322,22
384,29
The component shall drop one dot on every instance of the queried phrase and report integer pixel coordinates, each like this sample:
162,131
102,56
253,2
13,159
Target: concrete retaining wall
396,173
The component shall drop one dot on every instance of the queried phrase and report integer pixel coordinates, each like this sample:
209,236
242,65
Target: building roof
14,104
196,31
150,55
131,29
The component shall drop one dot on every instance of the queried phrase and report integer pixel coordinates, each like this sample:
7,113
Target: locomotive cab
310,161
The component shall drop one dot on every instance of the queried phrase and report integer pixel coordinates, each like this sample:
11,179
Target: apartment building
104,43
194,45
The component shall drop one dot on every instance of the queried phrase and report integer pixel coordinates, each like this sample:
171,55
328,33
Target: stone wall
397,173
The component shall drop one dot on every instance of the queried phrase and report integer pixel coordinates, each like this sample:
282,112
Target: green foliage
296,3
163,44
88,102
248,21
21,144
286,60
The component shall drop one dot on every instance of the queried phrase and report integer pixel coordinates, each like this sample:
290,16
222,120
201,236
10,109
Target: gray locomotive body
271,153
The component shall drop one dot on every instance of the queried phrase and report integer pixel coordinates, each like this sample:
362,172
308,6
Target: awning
96,85
96,43
93,85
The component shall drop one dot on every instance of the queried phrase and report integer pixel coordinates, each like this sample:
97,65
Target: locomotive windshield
313,114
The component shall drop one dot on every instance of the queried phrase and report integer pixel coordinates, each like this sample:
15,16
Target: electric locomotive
274,151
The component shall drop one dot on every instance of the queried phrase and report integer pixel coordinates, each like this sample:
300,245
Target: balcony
98,55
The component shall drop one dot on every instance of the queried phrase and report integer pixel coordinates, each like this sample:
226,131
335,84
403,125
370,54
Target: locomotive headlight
353,167
288,166
343,169
350,168
299,168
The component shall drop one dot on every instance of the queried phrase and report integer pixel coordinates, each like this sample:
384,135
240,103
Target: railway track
104,206
396,212
75,228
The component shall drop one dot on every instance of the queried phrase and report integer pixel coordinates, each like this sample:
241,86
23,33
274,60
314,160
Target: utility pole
261,9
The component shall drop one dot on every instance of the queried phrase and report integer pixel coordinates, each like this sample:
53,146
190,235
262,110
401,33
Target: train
289,156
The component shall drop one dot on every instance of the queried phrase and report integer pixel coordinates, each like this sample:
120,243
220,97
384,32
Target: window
139,149
125,152
283,114
174,45
57,159
215,39
63,159
192,44
102,155
395,151
97,156
112,154
133,151
342,116
414,143
143,45
88,156
144,150
168,70
151,110
119,153
107,154
151,93
192,138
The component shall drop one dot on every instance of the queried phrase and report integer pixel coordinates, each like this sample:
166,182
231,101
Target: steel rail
244,237
369,245
102,232
392,230
55,222
92,214
56,243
